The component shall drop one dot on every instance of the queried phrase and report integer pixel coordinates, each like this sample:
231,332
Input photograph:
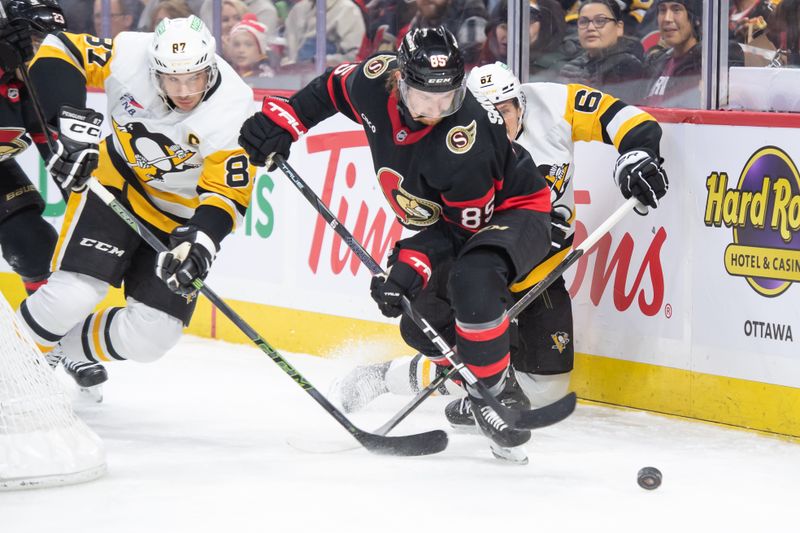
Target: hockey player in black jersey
27,240
448,170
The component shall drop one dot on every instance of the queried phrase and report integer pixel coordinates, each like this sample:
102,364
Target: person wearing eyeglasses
123,15
610,61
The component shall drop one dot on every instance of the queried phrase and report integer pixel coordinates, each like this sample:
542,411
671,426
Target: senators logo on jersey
461,138
411,210
12,142
151,155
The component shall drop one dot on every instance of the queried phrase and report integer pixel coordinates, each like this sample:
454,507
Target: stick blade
426,443
547,415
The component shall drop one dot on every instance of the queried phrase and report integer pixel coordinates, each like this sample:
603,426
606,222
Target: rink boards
690,310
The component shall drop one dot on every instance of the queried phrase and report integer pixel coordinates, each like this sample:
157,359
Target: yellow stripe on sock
98,349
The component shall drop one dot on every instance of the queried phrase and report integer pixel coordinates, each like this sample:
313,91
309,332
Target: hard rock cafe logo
377,66
763,210
411,210
12,142
461,138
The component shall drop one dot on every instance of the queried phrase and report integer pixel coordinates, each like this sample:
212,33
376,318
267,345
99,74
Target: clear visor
425,104
186,85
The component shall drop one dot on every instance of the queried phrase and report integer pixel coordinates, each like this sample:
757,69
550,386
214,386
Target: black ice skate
459,414
362,385
505,441
86,375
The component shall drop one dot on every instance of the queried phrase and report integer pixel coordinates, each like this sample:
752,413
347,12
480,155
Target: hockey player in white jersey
174,111
546,119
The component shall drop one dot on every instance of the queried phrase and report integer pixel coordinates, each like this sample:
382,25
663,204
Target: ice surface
197,442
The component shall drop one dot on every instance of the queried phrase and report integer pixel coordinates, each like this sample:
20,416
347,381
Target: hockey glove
16,47
270,132
639,173
192,252
408,274
76,152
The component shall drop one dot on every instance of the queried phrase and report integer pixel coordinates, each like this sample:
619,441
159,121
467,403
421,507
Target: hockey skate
362,385
507,443
88,376
459,414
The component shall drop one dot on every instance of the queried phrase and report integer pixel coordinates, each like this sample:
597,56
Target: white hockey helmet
496,83
182,46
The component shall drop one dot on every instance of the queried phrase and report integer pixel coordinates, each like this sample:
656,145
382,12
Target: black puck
649,478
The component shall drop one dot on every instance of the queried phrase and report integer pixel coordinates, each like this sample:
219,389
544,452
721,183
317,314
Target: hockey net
42,442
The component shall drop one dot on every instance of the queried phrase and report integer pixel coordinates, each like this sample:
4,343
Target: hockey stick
518,307
426,443
526,419
416,444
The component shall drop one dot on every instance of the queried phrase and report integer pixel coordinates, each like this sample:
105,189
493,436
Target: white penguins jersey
556,116
181,160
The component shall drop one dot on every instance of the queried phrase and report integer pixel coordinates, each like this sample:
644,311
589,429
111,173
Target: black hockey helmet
430,60
43,16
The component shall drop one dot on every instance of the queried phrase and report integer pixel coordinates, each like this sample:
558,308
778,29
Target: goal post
42,442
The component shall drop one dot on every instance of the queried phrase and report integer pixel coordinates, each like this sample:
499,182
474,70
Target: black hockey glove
16,47
270,132
192,252
639,173
76,152
409,272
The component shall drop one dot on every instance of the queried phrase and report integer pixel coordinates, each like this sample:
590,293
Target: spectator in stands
264,10
150,6
610,61
748,19
248,48
784,33
170,9
387,23
122,16
495,46
633,14
78,14
466,19
570,8
344,32
549,51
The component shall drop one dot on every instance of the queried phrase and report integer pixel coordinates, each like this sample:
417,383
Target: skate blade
94,394
461,429
515,455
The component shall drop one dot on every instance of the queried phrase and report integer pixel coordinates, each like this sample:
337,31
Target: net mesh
42,441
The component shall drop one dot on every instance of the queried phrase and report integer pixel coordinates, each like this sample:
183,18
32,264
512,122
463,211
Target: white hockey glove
639,173
76,152
192,252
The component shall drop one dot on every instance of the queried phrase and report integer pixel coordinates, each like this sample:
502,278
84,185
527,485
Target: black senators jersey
461,170
18,125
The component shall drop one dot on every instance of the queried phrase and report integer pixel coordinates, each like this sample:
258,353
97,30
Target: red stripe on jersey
493,369
483,335
475,202
343,72
538,201
418,261
41,138
401,134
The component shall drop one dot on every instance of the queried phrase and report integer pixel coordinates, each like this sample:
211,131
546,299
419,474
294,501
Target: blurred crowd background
645,52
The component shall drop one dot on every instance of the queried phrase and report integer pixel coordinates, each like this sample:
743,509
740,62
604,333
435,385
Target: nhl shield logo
461,138
401,135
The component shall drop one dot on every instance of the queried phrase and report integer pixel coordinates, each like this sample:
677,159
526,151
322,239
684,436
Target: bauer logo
763,211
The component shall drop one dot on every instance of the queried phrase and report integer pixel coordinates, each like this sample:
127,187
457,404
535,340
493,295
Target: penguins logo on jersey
377,66
152,155
12,142
557,179
560,341
410,209
461,138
